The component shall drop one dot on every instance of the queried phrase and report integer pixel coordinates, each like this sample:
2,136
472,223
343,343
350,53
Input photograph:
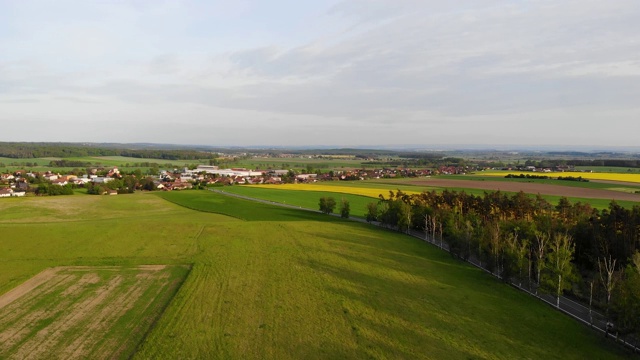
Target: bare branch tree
607,267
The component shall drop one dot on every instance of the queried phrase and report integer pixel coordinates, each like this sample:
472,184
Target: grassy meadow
277,283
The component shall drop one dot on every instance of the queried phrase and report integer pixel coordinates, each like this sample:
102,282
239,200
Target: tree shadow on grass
378,310
399,317
243,209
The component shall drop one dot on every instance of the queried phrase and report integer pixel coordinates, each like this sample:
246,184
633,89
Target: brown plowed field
531,188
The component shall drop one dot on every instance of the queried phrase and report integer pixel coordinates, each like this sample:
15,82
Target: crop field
84,312
272,283
630,187
607,176
610,169
307,195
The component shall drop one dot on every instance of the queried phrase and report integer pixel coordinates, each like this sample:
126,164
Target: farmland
268,282
596,194
608,176
84,312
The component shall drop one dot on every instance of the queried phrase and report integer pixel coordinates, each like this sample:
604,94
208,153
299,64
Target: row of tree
18,150
328,205
628,163
53,190
568,248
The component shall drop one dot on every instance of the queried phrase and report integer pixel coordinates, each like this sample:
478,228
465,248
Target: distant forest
628,163
66,150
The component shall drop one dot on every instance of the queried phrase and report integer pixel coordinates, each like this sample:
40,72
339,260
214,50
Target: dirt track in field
532,188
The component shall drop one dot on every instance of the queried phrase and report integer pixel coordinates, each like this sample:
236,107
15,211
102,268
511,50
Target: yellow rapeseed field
632,178
370,192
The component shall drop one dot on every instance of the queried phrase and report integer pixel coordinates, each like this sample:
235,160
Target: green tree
558,263
345,208
540,246
327,204
625,305
372,212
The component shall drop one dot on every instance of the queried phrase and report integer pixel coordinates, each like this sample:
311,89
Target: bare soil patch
84,312
531,188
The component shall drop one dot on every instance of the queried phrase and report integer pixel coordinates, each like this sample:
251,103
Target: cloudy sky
321,72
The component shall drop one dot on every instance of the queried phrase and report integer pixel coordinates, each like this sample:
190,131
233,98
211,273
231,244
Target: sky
322,72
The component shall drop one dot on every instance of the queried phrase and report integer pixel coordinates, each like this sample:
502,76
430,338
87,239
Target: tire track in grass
167,297
222,277
172,322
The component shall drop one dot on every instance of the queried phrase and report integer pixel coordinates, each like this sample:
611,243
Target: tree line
16,150
567,248
628,163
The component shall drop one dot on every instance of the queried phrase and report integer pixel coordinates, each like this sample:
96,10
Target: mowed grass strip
312,289
85,312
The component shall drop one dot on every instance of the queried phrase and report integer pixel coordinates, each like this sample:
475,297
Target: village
111,181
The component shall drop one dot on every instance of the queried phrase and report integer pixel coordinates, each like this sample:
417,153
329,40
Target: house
179,185
61,182
101,180
114,172
82,181
306,177
6,193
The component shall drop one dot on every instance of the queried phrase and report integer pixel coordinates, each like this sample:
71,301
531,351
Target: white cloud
411,69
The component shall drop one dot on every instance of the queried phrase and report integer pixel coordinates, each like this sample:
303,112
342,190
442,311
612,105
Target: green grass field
304,199
275,283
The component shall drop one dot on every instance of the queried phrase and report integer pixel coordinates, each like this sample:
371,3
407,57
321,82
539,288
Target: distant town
111,181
